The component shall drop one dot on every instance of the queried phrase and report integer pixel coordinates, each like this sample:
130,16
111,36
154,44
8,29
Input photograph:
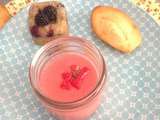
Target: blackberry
41,19
51,13
50,33
35,31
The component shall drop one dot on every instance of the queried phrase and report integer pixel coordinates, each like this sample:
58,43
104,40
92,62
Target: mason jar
79,109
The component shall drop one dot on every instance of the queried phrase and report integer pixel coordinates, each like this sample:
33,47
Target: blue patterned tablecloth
133,85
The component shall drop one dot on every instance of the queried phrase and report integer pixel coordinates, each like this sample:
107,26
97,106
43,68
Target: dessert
115,28
4,15
46,20
55,73
68,79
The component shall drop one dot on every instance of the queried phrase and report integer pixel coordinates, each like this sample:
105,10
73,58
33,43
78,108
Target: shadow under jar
54,59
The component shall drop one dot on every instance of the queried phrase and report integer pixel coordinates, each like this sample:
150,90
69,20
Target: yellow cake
115,28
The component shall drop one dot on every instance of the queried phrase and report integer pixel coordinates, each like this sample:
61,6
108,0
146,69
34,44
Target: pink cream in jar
68,75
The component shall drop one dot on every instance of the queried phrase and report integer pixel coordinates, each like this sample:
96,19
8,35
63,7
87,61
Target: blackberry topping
41,19
51,13
50,33
35,31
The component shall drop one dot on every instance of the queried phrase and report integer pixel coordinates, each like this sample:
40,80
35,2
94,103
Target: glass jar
80,109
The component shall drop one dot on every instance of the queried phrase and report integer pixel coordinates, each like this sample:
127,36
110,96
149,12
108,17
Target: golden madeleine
115,28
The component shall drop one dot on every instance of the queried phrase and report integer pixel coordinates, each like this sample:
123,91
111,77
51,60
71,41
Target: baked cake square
47,20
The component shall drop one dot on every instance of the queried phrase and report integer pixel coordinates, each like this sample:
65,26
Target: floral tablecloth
150,6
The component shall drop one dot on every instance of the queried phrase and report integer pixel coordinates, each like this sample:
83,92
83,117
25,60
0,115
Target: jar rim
73,104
